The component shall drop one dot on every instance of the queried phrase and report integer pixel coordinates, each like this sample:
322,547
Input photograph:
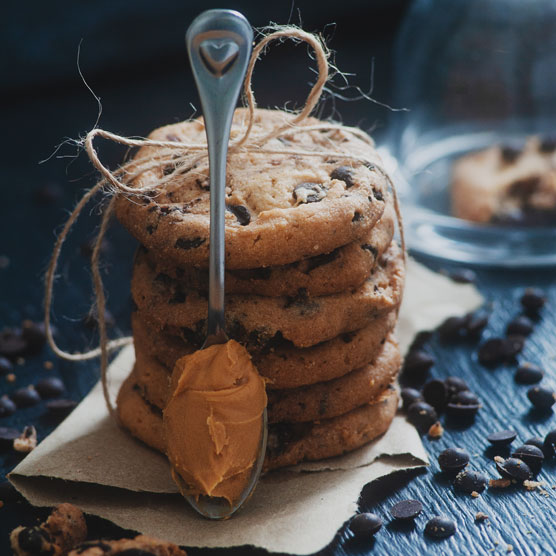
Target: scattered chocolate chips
502,438
241,213
542,398
50,387
309,192
34,540
509,154
34,335
535,441
470,481
464,405
532,301
474,324
410,396
513,469
7,407
549,444
435,393
417,363
421,415
364,525
455,384
527,373
533,456
451,329
520,326
6,366
493,351
453,460
60,408
343,173
440,527
7,437
406,509
12,344
186,243
25,397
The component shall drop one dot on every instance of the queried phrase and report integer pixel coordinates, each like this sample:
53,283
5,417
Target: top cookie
281,207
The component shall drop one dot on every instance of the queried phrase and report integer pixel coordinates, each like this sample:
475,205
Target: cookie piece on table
505,185
282,207
142,545
303,320
288,443
281,363
343,268
64,528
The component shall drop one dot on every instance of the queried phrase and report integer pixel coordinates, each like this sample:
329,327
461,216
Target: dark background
133,57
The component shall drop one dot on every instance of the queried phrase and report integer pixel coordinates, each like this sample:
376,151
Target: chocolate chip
470,481
514,345
33,539
420,340
406,509
451,329
343,173
365,525
7,437
6,366
347,337
527,373
536,441
50,387
300,298
421,415
150,229
435,393
373,250
7,407
25,397
533,456
548,144
357,217
60,408
440,527
513,469
541,397
417,363
12,344
463,276
241,213
520,326
455,384
464,405
509,154
493,352
179,296
549,444
502,438
309,192
186,243
168,169
378,194
474,324
532,301
410,396
453,460
320,260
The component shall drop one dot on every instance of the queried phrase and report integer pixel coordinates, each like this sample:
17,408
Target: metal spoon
219,46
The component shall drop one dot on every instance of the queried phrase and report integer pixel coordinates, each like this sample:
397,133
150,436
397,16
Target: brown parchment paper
89,461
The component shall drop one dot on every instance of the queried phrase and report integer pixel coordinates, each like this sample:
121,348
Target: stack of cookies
314,281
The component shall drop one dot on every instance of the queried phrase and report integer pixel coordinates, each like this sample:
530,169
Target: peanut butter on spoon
213,421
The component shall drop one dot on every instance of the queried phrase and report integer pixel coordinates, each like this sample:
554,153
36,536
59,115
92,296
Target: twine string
114,183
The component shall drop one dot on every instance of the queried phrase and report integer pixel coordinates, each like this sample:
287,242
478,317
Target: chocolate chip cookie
281,207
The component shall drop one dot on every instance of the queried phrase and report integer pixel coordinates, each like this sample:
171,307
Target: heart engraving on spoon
218,55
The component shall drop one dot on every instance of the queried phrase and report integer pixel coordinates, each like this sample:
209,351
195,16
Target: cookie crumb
532,485
475,494
499,483
27,441
499,459
10,377
481,516
509,548
436,431
48,365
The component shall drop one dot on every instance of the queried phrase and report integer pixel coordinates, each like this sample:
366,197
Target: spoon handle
219,46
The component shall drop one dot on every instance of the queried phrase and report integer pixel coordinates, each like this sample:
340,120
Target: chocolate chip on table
435,393
25,397
513,469
533,301
470,481
533,456
464,405
549,444
365,525
453,460
509,154
7,437
520,326
309,192
474,324
7,407
421,338
343,173
241,213
60,408
541,397
50,387
502,438
536,441
410,396
12,344
493,351
440,527
406,509
34,335
421,415
528,373
417,363
455,384
451,329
